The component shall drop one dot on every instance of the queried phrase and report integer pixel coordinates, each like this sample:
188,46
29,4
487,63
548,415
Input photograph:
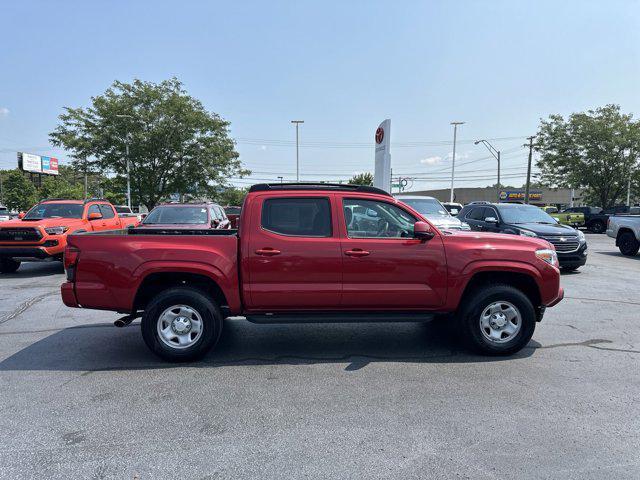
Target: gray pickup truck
626,230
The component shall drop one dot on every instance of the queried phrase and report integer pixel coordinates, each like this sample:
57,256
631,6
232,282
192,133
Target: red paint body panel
397,274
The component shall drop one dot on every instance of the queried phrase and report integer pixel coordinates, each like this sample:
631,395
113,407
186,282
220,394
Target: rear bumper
68,295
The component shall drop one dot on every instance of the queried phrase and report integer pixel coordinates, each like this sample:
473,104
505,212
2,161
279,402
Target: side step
340,317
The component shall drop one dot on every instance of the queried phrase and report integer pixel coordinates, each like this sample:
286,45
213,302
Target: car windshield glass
425,206
525,214
177,215
55,210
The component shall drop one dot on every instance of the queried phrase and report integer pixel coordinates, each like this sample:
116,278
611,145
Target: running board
340,317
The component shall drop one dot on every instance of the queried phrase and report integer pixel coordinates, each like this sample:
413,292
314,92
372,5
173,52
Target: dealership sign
38,164
382,170
519,195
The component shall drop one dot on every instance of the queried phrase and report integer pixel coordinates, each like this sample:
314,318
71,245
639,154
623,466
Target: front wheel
497,320
9,265
181,324
628,244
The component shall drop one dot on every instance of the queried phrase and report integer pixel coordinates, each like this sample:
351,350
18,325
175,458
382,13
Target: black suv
529,221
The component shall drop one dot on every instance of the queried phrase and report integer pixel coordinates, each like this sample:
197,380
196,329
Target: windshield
172,215
55,210
525,214
425,206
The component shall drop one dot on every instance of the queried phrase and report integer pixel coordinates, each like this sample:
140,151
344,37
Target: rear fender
228,285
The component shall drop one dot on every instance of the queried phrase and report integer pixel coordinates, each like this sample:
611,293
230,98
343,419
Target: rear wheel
9,265
597,226
497,320
628,244
181,324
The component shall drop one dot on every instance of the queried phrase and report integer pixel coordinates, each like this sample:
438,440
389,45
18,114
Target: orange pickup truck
42,232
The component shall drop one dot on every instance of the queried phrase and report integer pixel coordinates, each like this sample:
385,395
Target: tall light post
126,147
453,161
496,154
297,123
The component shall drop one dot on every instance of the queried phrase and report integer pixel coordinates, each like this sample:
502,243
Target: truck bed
113,264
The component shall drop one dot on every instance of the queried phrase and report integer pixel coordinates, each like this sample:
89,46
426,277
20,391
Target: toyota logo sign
379,135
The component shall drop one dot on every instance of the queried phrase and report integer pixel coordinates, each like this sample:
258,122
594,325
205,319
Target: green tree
596,150
362,179
19,192
175,144
231,196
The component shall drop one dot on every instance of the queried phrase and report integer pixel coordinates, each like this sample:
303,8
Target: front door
294,260
384,266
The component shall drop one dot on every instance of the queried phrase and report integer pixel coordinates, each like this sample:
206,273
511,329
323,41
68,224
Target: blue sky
342,66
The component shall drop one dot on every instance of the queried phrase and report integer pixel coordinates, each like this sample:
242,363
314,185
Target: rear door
293,258
384,266
475,218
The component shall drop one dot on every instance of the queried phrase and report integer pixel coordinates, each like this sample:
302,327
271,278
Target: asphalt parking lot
83,399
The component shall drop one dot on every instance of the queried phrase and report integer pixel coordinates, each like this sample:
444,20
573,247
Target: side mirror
95,216
491,220
422,231
21,215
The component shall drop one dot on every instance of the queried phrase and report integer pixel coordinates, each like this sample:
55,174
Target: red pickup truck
298,256
42,232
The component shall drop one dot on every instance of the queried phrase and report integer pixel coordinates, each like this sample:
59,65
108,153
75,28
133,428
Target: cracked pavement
81,398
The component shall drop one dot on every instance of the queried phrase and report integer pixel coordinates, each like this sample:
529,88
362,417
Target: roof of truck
345,187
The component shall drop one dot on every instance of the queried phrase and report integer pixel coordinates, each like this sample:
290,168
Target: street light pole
496,154
453,160
297,123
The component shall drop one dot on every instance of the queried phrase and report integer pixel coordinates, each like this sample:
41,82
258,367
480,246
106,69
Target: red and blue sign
50,165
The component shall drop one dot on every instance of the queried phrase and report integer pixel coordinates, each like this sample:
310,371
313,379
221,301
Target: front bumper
573,259
39,253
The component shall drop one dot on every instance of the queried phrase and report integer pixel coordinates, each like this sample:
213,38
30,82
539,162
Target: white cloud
4,112
431,160
263,147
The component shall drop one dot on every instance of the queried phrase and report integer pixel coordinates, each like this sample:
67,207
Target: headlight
581,236
56,230
547,255
527,233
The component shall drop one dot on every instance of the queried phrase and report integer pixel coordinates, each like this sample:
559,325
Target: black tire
194,299
478,301
597,226
628,244
9,265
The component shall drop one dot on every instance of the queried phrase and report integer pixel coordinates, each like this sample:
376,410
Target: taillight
71,255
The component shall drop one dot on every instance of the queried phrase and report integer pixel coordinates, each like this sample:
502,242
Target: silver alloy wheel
500,322
179,326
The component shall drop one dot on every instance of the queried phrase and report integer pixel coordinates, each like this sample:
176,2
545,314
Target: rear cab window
297,216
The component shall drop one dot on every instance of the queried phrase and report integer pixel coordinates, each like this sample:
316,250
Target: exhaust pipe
124,321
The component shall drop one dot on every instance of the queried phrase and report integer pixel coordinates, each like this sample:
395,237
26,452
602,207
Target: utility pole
280,179
629,180
126,146
496,154
528,185
297,123
453,160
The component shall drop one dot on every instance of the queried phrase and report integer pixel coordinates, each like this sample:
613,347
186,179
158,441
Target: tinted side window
107,211
490,212
303,217
476,213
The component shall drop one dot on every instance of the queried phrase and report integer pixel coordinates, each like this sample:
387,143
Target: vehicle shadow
36,269
619,255
102,347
